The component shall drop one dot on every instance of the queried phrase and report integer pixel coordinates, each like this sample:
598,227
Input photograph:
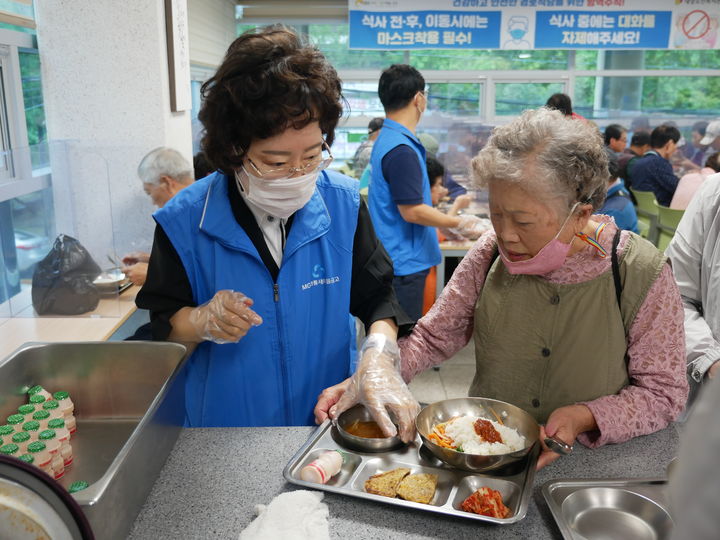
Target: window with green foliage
34,107
462,99
662,96
595,95
513,98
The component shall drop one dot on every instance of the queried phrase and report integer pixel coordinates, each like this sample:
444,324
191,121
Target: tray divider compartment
450,480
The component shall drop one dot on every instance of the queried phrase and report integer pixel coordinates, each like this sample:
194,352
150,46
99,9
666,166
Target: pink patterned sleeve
658,385
448,326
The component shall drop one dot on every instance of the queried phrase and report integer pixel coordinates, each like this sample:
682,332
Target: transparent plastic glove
379,386
471,227
226,318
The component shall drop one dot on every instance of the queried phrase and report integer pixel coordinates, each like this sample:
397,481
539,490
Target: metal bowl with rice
491,409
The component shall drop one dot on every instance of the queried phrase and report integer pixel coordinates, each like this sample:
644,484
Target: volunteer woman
593,352
261,263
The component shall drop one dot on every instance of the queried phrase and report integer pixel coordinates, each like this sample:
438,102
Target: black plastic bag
62,283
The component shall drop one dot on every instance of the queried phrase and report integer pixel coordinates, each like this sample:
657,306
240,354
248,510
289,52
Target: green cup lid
41,415
6,430
47,434
32,425
52,404
26,409
27,458
78,486
9,449
56,423
36,399
21,437
37,446
15,419
61,395
34,390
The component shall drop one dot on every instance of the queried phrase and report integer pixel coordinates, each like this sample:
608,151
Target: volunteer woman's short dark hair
269,80
398,85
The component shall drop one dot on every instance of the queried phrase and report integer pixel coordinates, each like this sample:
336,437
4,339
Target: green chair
647,212
643,228
668,219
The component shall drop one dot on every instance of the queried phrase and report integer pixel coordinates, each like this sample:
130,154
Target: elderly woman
575,321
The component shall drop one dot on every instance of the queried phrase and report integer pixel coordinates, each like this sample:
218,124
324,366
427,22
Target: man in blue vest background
399,193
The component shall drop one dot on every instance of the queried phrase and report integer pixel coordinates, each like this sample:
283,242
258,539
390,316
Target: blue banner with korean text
425,30
534,24
605,29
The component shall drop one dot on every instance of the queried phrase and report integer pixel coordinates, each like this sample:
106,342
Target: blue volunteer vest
274,374
412,247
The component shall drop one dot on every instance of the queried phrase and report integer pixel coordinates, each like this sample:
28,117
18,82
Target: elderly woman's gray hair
550,155
164,161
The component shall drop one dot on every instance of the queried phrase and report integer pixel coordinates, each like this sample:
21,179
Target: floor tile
427,387
456,379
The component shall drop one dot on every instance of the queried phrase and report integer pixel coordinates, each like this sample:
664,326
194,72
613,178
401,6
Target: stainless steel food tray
585,509
129,405
453,486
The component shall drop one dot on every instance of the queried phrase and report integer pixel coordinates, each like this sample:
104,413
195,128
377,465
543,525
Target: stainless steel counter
214,478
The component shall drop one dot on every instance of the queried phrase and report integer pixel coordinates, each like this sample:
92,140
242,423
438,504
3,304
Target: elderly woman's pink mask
549,258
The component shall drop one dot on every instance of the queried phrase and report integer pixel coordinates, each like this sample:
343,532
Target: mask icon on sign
517,28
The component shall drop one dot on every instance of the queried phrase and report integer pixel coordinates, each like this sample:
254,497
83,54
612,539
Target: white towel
296,515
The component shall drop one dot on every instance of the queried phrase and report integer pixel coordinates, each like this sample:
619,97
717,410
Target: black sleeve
402,171
372,296
167,288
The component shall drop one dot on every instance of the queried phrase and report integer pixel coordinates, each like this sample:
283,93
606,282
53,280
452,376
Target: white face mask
280,197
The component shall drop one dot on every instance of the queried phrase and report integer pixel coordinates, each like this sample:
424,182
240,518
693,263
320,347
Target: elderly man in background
653,172
695,255
616,138
164,172
639,144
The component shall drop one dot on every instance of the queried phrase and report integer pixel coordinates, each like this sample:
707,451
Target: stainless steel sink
129,405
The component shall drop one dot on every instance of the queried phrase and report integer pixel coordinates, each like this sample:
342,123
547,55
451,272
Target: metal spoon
558,446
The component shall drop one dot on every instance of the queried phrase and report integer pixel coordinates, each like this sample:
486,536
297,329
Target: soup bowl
363,444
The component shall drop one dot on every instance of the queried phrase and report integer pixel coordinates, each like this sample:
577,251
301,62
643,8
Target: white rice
462,432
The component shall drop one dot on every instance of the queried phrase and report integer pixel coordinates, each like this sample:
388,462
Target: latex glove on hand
378,385
226,318
471,227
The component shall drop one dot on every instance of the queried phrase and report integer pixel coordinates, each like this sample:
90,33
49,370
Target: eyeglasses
315,164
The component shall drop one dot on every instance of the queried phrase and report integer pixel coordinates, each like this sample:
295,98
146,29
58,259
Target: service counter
213,479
